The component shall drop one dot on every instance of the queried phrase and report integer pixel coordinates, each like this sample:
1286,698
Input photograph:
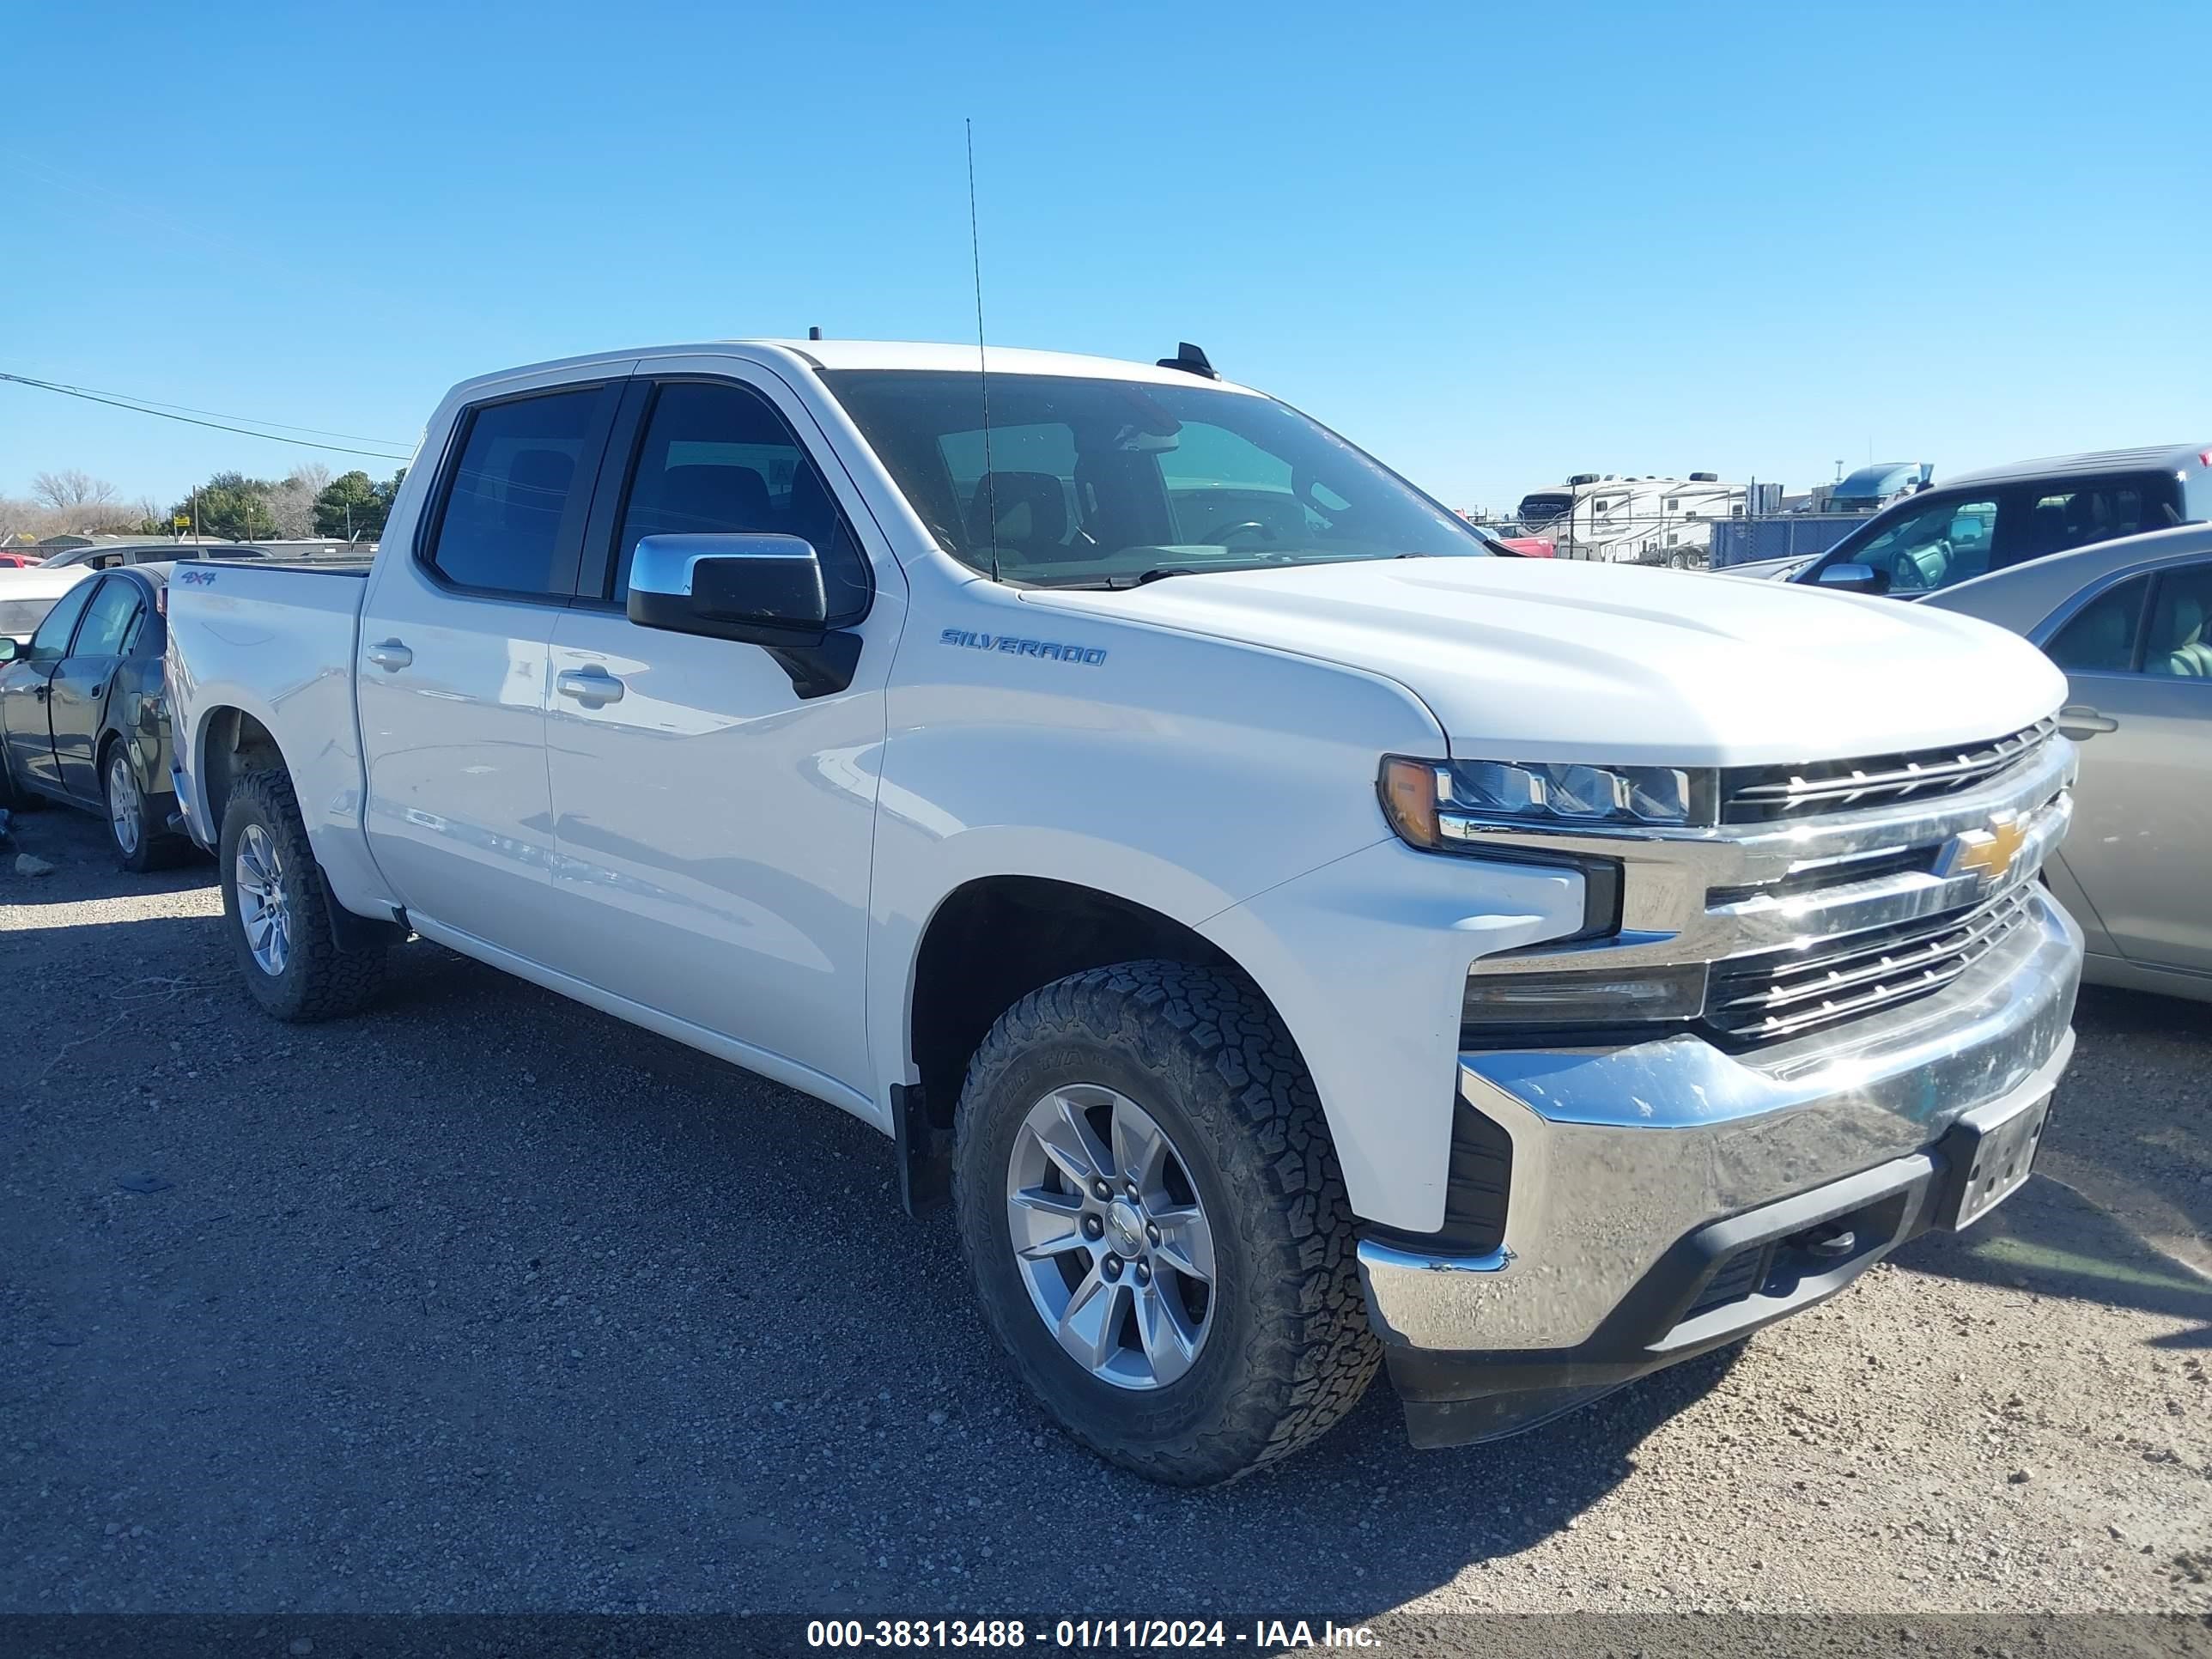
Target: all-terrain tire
320,979
1290,1350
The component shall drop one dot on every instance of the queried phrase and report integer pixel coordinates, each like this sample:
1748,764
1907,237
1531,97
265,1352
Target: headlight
1436,804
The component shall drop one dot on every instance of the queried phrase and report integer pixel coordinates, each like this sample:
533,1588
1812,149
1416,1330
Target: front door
712,830
453,669
2138,661
77,705
28,685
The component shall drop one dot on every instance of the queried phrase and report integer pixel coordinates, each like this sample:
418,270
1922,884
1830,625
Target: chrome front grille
1775,794
1782,993
1875,888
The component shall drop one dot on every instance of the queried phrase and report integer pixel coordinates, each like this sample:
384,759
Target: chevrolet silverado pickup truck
1295,941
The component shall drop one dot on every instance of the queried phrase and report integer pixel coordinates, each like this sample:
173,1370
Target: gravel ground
485,1301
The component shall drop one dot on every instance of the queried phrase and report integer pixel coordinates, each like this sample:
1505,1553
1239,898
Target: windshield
1095,481
1537,511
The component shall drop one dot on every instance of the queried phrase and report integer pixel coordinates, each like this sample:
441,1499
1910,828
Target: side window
2046,520
2101,639
113,609
1942,543
50,643
717,459
2178,639
512,511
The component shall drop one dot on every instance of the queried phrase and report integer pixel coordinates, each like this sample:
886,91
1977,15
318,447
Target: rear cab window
510,522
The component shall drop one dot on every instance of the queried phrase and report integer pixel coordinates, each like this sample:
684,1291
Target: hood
1550,659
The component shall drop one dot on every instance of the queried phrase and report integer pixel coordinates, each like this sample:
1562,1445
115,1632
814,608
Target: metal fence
1784,536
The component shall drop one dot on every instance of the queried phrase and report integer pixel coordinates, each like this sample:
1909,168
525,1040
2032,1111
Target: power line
217,414
145,407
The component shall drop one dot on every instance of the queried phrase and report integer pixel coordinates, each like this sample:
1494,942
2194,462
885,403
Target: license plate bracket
1990,1154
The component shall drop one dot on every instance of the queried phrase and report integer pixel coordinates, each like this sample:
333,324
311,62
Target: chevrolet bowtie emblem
1988,852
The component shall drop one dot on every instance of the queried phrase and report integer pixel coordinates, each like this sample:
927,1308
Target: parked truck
1295,941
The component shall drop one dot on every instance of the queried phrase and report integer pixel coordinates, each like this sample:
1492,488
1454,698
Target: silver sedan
2128,621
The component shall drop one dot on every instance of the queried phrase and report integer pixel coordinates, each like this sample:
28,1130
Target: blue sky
1494,245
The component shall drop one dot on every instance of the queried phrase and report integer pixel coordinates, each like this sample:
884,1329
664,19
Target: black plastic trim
1478,1186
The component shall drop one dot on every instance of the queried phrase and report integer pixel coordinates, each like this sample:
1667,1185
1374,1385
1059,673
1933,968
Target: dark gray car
2004,516
83,719
2128,621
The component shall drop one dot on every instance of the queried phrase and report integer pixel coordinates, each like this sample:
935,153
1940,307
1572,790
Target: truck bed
278,642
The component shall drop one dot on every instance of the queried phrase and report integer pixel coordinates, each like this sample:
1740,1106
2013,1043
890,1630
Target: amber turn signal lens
1409,801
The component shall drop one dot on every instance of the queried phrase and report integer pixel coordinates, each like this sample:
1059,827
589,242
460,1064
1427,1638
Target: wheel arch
993,939
229,742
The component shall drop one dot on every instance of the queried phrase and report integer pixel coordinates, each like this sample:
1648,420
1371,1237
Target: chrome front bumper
1619,1154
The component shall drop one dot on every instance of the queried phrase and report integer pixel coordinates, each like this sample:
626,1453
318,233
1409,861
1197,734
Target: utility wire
216,414
146,408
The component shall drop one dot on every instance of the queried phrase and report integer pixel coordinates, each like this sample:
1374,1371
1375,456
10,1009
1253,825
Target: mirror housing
1850,578
10,650
764,590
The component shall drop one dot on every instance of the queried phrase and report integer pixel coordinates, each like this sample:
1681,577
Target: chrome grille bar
1764,997
1766,794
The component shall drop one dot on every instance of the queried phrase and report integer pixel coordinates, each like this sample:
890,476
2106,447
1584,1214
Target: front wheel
277,909
1151,1209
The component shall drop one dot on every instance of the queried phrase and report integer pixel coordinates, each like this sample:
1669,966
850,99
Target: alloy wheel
126,810
264,911
1109,1236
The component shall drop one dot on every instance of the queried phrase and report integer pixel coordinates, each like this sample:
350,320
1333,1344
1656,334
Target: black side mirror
757,589
1852,579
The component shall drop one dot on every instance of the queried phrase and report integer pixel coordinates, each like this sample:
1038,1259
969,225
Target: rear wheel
277,908
1151,1209
140,844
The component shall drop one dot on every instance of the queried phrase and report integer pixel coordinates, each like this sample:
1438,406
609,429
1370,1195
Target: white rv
1648,520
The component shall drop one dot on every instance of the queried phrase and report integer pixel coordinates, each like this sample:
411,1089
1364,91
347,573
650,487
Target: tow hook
1828,1242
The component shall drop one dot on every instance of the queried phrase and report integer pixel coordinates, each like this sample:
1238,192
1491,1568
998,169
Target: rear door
713,830
25,686
2138,664
78,704
452,666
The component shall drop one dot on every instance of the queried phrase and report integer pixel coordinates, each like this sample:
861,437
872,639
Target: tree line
309,501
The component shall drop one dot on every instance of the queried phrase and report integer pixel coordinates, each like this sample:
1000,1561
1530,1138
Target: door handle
593,687
390,655
2078,719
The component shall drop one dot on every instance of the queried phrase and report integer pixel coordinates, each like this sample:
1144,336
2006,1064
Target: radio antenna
982,362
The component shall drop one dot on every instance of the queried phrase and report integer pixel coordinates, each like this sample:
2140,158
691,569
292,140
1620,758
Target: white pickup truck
1297,939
